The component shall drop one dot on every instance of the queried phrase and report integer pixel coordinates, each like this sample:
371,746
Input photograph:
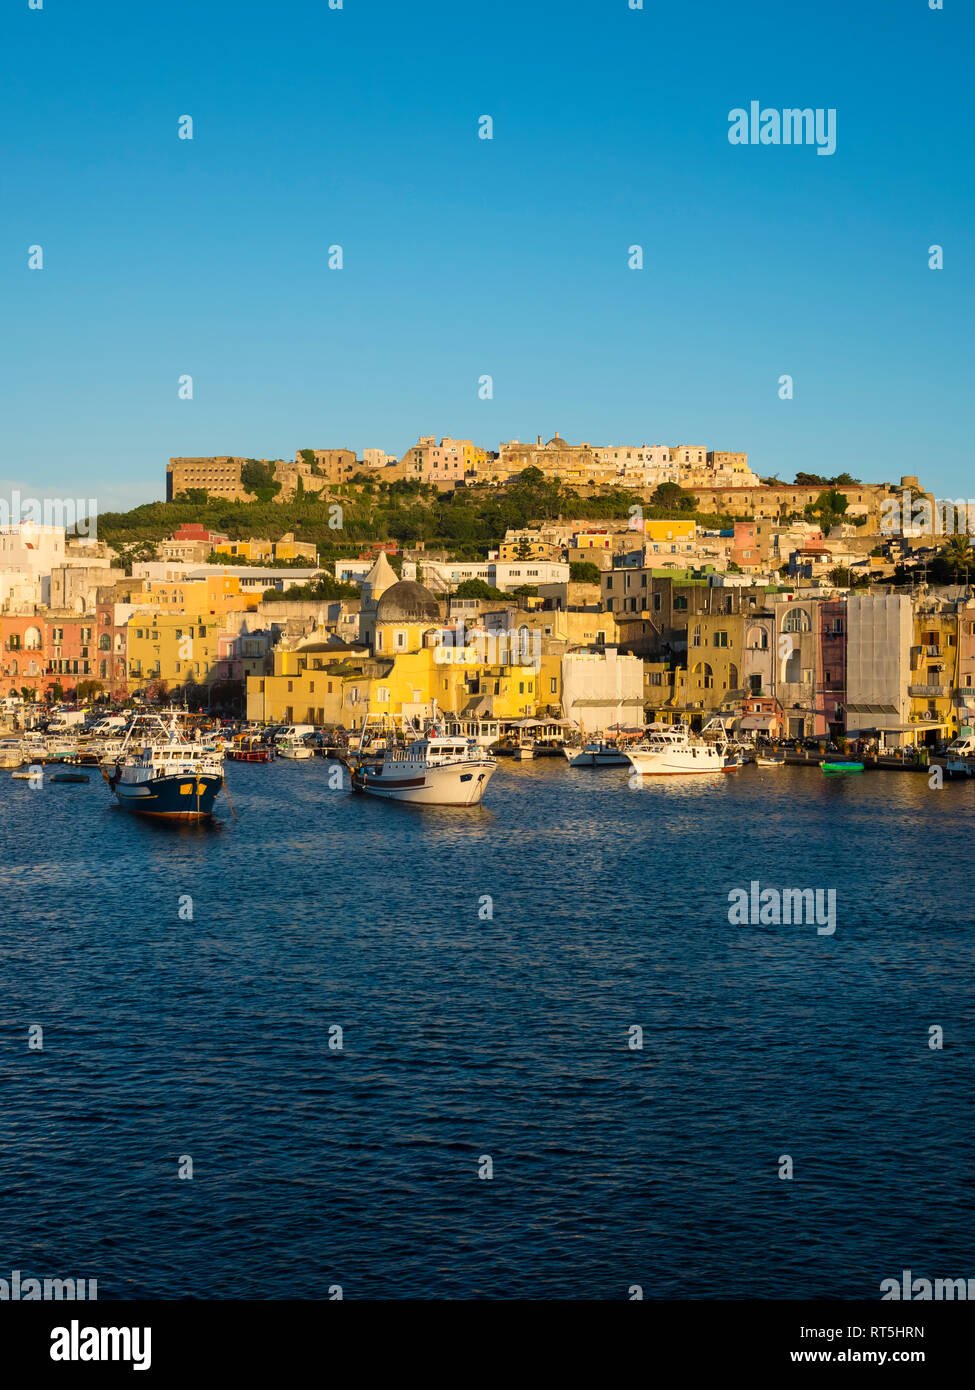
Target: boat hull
678,764
456,784
177,797
606,758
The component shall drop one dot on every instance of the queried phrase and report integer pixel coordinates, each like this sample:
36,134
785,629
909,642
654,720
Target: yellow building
216,593
173,647
715,648
664,530
410,673
934,673
258,549
314,684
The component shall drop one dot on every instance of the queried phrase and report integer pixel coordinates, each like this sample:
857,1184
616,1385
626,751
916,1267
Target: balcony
930,692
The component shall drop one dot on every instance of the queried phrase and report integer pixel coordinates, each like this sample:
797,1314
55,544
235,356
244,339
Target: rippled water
505,1037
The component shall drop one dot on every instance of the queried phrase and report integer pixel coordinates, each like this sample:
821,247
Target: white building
880,629
441,576
602,689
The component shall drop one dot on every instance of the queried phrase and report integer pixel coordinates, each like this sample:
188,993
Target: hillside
468,521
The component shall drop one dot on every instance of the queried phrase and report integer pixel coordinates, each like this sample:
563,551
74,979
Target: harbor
472,1026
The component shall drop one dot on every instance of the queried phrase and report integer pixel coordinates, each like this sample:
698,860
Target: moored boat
595,754
160,774
671,750
844,765
430,771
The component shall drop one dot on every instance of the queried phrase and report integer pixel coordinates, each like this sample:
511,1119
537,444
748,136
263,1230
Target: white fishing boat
431,771
595,754
671,750
769,760
293,748
11,754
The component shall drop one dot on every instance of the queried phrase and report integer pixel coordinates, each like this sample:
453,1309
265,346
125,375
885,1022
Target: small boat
671,751
293,748
769,760
245,749
733,762
597,754
24,776
430,771
69,777
523,752
844,766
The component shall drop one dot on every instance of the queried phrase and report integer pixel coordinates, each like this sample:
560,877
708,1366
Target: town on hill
660,582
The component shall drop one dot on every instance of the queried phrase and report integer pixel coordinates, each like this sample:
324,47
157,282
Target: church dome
408,602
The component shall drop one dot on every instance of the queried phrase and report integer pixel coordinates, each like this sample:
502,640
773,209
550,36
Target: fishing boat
247,749
595,754
293,748
843,765
769,760
158,773
671,750
434,770
11,754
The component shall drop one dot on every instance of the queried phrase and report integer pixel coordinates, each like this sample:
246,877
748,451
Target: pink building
831,687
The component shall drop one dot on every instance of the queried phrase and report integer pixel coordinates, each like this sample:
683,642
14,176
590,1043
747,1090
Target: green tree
258,478
523,550
477,588
828,509
959,556
667,495
584,572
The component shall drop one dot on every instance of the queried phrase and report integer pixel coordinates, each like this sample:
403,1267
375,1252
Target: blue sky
465,257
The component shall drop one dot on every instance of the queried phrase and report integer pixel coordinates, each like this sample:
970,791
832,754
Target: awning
757,721
636,701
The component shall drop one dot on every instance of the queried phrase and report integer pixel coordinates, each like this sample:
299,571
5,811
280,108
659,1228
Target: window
721,639
797,621
554,685
704,675
680,602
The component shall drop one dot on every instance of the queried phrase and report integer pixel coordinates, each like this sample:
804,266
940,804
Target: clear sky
465,257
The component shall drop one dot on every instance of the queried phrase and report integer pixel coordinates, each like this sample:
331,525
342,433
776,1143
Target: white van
294,731
65,720
111,724
963,747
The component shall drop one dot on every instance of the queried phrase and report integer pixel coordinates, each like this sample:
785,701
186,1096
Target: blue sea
488,970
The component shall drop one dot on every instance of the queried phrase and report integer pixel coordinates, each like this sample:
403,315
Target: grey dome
408,602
